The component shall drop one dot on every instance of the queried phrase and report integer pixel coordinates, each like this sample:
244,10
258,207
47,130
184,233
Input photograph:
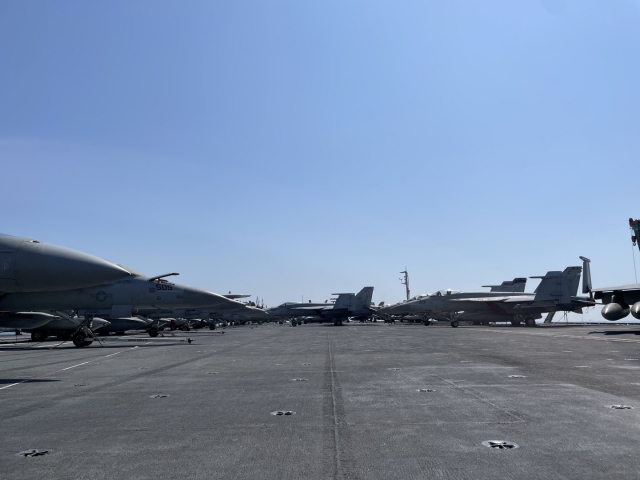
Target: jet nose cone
46,267
197,298
257,312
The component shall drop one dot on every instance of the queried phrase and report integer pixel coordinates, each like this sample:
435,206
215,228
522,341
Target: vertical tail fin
559,286
587,286
363,298
343,301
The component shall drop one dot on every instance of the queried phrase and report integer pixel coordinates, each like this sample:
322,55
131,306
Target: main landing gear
39,335
84,335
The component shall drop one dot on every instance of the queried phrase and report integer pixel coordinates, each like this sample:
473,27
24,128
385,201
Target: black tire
454,323
427,323
153,332
530,322
79,340
185,328
39,335
212,327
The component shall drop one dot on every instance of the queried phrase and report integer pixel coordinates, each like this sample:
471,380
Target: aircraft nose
197,298
258,312
46,267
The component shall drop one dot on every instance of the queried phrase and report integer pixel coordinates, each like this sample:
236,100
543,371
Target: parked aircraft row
51,290
557,292
55,290
504,303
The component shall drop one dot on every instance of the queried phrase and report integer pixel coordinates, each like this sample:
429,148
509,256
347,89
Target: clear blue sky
303,148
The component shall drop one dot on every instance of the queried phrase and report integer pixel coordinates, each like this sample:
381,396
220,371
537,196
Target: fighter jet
28,265
186,319
414,308
346,305
556,292
116,300
621,300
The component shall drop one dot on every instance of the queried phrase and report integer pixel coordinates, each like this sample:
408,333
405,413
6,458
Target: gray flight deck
359,414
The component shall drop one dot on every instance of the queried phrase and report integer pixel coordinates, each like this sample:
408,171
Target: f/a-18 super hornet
621,300
116,300
415,309
156,319
345,306
186,319
556,292
31,267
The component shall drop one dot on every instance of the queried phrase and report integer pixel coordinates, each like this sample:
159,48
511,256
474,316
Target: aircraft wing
480,299
316,308
632,286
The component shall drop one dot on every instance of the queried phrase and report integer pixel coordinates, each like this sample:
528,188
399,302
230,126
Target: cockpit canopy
417,297
443,293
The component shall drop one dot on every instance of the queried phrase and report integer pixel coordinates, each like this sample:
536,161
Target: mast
405,281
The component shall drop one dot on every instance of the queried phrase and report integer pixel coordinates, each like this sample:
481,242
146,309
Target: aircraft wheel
79,340
212,327
454,323
185,328
515,323
530,322
427,323
153,332
39,336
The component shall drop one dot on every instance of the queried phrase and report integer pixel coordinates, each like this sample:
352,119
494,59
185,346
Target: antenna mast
405,281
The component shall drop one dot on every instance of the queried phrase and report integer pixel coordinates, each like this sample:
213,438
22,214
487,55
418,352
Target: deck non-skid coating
364,411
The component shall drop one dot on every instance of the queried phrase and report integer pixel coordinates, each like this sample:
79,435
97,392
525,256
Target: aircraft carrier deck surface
371,401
